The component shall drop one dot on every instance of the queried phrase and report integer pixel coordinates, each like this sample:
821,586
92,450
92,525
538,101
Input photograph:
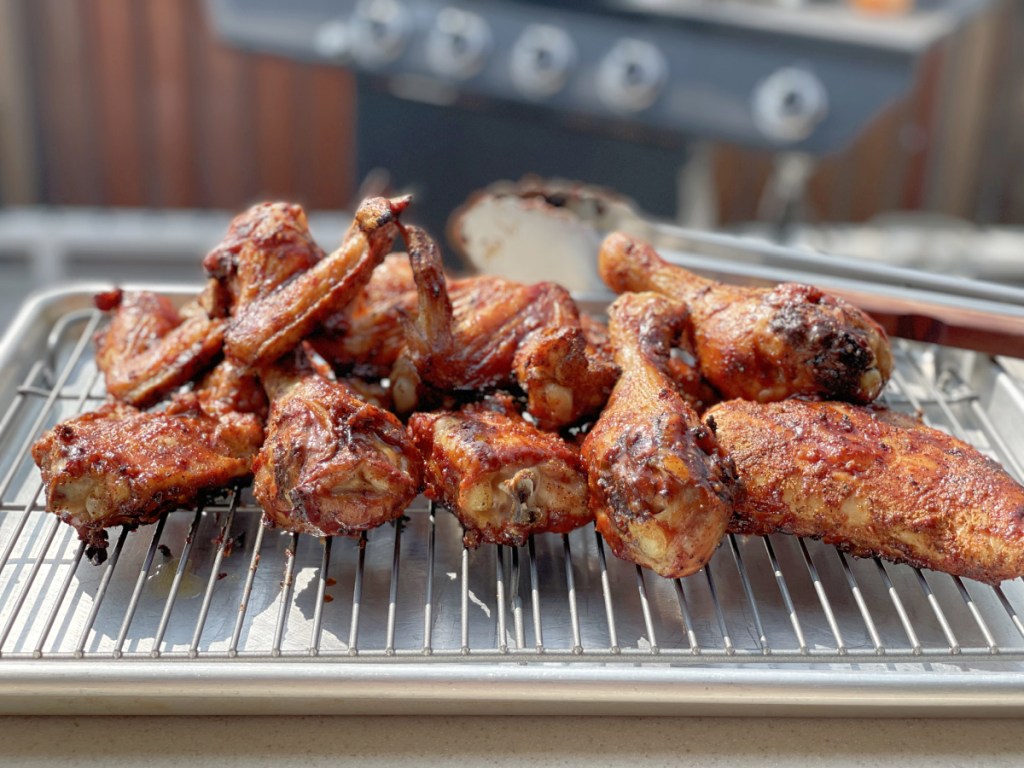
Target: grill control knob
541,60
631,76
379,32
333,40
788,104
457,45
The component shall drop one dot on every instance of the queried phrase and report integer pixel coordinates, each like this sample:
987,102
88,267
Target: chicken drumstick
758,343
660,489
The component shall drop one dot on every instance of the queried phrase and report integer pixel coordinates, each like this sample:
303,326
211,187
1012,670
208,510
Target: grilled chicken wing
265,329
469,340
265,247
660,489
501,476
234,398
122,466
149,349
758,343
368,335
872,482
331,464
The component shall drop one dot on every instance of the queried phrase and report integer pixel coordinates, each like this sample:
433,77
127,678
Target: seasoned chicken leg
660,489
501,476
331,464
872,482
758,343
469,340
148,348
264,330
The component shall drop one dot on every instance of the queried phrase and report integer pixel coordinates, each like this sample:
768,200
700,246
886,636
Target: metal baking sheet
208,611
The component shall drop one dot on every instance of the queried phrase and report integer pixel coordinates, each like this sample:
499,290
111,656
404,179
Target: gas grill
453,95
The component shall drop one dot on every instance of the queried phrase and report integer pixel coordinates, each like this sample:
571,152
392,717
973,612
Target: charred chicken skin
122,466
332,464
758,343
502,477
149,349
660,489
872,482
265,329
470,341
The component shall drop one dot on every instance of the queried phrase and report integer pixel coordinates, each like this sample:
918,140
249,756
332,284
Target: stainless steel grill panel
214,585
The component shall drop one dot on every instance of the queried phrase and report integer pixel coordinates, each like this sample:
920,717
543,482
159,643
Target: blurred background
130,130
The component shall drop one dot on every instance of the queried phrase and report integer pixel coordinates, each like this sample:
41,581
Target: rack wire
213,583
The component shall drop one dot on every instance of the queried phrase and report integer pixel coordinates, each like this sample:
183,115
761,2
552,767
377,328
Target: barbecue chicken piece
122,466
265,247
149,348
265,329
872,482
759,343
470,341
368,334
660,489
331,464
234,397
502,477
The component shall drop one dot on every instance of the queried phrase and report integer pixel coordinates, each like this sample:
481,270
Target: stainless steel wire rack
405,617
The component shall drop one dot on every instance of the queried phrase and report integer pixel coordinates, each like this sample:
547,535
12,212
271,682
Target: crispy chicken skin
872,482
149,349
331,464
264,248
265,329
501,476
758,343
121,466
470,339
660,489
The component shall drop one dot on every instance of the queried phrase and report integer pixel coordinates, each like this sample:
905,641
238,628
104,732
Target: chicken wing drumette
268,327
471,340
660,489
332,464
872,482
501,476
122,466
759,343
